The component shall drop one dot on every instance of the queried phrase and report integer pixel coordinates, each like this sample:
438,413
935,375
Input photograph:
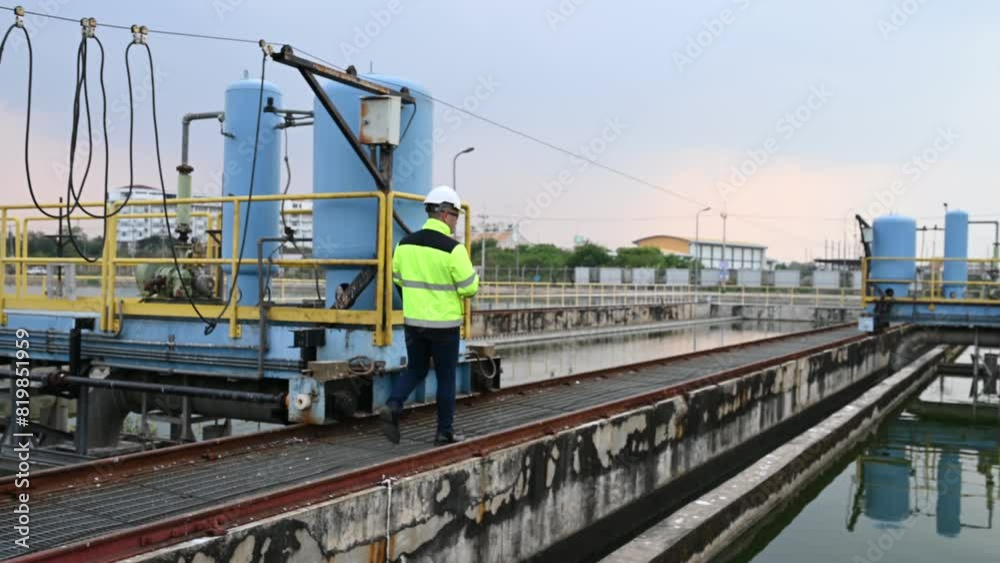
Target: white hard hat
443,194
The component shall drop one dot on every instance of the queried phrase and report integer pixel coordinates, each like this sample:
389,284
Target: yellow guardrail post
383,290
21,282
864,281
467,320
105,264
233,297
3,267
19,234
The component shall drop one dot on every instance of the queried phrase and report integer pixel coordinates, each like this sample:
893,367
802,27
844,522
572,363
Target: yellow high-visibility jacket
435,273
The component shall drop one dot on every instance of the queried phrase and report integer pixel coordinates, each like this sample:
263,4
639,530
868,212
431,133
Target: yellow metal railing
109,306
508,294
928,284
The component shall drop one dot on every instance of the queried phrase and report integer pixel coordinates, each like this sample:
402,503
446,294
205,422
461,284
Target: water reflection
920,490
933,465
524,363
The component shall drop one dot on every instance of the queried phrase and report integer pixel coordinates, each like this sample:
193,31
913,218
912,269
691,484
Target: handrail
928,283
108,307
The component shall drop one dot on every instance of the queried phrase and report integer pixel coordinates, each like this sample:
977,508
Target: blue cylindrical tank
262,221
956,245
887,485
348,228
949,494
894,237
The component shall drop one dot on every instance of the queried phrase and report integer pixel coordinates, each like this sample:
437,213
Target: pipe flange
303,402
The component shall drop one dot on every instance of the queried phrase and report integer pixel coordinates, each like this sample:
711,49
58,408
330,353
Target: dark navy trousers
422,344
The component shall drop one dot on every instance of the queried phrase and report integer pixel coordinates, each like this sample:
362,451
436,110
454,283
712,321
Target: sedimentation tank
956,245
894,237
243,105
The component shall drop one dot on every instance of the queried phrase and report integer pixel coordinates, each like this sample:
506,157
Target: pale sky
855,105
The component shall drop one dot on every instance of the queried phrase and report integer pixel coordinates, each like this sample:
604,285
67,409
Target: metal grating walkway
68,516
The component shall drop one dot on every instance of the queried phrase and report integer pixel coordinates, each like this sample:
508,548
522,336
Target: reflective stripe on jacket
435,273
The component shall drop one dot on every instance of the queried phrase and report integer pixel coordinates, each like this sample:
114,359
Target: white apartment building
134,230
297,215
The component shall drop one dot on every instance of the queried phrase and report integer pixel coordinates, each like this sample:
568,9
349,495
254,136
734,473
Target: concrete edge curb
704,528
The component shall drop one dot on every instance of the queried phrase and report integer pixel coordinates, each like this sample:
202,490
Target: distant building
133,230
506,236
738,255
298,217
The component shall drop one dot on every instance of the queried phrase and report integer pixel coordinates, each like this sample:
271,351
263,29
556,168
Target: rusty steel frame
216,520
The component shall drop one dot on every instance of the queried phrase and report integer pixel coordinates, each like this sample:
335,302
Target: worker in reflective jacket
435,274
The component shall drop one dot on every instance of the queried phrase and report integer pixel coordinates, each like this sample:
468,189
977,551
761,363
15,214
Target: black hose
210,324
107,151
288,232
27,120
159,165
73,196
253,175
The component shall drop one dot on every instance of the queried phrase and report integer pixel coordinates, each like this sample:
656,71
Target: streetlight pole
482,247
724,264
697,240
454,164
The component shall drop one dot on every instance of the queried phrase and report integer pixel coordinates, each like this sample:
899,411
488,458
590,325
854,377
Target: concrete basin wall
569,493
487,323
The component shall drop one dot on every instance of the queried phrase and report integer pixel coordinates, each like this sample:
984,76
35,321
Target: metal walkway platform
112,498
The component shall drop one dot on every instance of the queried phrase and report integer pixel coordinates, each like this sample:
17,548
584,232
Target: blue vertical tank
949,494
956,245
348,228
894,237
240,125
886,474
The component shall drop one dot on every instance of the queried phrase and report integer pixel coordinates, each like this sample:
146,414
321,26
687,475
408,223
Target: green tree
675,261
589,255
639,257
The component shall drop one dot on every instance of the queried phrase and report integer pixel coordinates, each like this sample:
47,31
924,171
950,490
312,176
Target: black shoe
443,439
390,423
